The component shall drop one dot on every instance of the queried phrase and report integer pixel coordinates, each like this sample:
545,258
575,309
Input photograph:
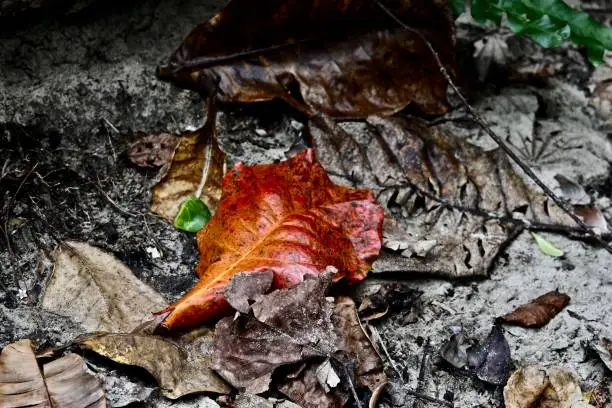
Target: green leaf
192,215
548,22
458,7
546,247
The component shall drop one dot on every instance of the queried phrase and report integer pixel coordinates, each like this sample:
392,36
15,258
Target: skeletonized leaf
196,168
288,218
97,290
445,194
538,312
66,382
546,246
181,365
319,56
552,387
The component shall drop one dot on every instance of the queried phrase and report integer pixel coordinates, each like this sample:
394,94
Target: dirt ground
74,92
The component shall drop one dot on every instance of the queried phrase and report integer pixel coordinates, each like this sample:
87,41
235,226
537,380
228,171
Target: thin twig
485,127
381,342
113,203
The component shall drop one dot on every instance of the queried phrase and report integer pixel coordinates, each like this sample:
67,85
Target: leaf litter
289,218
64,382
337,57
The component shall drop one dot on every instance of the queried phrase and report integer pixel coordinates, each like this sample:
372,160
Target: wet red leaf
344,58
538,312
289,218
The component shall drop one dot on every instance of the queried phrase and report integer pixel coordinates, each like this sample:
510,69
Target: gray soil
76,88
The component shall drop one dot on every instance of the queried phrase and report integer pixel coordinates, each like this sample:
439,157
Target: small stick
484,126
380,341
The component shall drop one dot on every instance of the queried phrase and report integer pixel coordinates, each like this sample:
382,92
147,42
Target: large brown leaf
180,365
288,218
97,290
450,198
63,383
344,58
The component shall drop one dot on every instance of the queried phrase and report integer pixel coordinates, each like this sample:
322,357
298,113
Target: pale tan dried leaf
97,290
71,386
66,382
181,366
538,387
198,165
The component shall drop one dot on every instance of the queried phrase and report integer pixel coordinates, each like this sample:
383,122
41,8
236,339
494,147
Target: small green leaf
547,247
192,215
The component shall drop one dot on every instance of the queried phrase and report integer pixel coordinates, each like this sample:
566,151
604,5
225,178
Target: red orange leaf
288,218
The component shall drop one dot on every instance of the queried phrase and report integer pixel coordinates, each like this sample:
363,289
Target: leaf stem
484,126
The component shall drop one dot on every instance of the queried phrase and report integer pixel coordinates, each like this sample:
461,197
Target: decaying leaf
538,312
447,195
489,361
153,150
546,247
289,326
288,218
538,387
196,168
64,382
180,365
392,298
342,58
593,217
299,326
599,397
97,290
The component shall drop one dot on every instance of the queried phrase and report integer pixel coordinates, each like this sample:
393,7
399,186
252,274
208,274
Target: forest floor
76,90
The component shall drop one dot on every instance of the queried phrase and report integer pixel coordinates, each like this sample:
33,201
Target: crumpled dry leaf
539,311
64,382
97,290
295,326
489,361
289,326
197,165
319,56
572,191
153,150
445,193
180,365
550,388
286,217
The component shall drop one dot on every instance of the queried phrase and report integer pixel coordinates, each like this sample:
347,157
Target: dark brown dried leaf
295,326
538,312
344,58
65,382
392,298
180,365
153,150
446,195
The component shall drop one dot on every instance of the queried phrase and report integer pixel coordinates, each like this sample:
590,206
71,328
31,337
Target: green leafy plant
548,22
193,215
